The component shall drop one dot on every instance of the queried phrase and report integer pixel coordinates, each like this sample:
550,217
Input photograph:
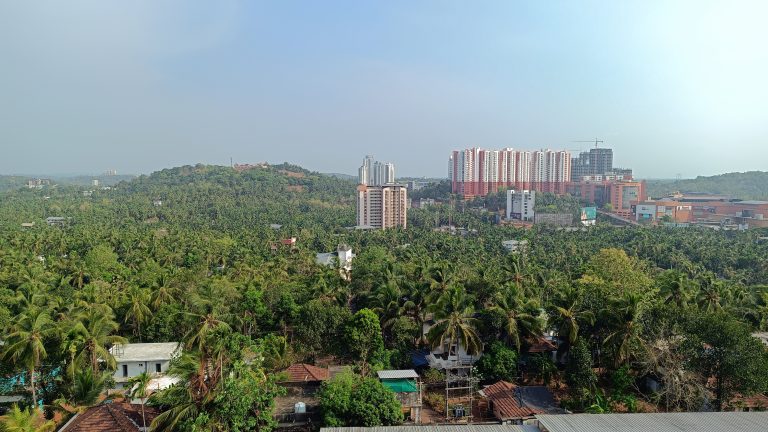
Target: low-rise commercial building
617,195
702,209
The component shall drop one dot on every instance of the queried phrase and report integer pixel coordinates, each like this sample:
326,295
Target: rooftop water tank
300,408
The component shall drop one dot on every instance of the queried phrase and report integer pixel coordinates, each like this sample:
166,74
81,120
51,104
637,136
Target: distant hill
341,176
221,197
12,182
85,180
19,181
748,185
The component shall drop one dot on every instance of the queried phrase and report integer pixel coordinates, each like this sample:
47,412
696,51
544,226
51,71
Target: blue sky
674,87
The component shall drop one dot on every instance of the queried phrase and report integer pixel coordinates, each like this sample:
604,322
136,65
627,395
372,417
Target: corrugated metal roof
437,428
657,422
397,374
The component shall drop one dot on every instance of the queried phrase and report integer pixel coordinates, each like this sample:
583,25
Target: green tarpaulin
401,385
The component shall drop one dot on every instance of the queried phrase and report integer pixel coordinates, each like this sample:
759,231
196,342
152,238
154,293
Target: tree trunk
143,419
32,383
719,393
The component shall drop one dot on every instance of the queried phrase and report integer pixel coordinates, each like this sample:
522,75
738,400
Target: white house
515,246
137,358
445,356
343,257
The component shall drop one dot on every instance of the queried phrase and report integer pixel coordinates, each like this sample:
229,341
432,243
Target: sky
674,87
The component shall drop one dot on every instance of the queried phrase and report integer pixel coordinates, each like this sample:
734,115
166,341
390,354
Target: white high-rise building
364,172
375,173
520,204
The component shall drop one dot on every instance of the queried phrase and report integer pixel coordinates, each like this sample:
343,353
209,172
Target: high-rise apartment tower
477,171
597,161
375,173
381,206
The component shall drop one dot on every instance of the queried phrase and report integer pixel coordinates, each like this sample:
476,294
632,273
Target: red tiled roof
117,417
301,372
506,405
755,401
543,345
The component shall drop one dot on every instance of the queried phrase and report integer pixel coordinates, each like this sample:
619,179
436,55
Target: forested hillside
752,185
188,254
11,182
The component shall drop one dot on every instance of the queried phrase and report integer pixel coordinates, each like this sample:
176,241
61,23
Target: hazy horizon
675,88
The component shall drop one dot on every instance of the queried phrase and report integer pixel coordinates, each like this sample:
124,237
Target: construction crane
596,141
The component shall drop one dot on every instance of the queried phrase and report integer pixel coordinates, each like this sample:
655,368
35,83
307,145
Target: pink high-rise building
478,171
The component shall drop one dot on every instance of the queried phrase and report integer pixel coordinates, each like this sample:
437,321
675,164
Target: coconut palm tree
140,389
138,309
387,302
194,391
25,345
93,327
568,316
455,322
520,319
676,288
28,420
164,291
712,296
441,278
624,315
87,387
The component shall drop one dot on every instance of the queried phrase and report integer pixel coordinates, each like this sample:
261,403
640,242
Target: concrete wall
136,368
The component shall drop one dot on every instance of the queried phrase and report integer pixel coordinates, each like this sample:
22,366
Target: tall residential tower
381,206
477,171
375,173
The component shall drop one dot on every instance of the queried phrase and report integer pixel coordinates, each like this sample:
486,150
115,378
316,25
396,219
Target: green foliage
579,376
203,265
542,367
455,322
402,334
88,386
349,400
434,376
222,388
102,263
28,420
621,381
436,401
721,347
363,337
320,327
440,191
497,363
278,353
245,401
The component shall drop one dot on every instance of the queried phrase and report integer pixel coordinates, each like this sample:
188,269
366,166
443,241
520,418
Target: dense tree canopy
194,254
